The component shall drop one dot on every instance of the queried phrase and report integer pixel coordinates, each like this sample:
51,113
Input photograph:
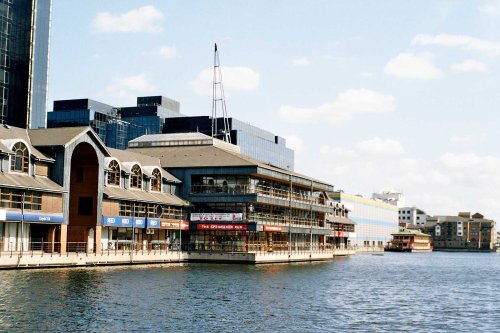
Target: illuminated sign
31,217
124,222
273,228
235,227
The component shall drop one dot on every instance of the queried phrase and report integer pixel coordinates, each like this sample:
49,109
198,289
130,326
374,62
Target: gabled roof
145,161
63,136
10,133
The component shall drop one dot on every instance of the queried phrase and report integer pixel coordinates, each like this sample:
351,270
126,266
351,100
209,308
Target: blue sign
125,222
153,223
34,217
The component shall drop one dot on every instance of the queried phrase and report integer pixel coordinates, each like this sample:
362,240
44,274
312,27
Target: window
114,173
10,198
20,161
156,181
136,177
85,205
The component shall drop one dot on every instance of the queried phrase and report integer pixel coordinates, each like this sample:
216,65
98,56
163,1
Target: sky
372,95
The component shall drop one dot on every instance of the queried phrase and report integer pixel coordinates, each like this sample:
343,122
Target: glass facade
253,141
24,55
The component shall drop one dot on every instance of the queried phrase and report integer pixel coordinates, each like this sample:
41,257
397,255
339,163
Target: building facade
253,141
413,216
466,231
239,203
375,221
24,58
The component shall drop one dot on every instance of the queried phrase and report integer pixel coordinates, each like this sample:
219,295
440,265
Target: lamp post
22,224
133,233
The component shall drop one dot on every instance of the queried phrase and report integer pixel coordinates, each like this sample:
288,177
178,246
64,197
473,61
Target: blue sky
371,94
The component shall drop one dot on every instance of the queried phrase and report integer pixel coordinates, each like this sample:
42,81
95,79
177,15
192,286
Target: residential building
240,203
465,231
24,57
375,220
253,141
412,216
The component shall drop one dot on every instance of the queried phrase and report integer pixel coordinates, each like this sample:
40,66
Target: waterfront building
375,220
239,203
24,58
343,227
412,216
465,231
252,140
31,203
409,241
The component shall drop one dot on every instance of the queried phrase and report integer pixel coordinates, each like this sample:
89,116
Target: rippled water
433,292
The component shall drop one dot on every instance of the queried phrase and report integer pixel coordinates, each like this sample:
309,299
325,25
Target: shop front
30,231
166,234
123,233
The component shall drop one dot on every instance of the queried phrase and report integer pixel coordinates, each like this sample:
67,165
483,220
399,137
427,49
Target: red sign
222,227
274,228
339,234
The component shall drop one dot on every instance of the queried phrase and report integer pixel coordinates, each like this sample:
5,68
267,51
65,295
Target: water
432,292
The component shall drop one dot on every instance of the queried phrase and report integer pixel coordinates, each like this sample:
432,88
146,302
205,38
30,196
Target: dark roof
10,133
37,183
210,156
338,219
62,136
142,196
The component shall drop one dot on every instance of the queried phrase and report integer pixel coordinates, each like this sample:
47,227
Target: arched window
20,161
156,181
136,177
114,173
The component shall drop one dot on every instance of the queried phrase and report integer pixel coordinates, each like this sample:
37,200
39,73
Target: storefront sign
221,227
124,222
174,224
227,217
152,223
31,217
273,228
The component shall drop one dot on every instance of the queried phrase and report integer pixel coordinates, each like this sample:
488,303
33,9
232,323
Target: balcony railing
262,190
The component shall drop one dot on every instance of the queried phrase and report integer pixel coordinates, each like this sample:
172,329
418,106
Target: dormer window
114,173
136,177
156,181
20,161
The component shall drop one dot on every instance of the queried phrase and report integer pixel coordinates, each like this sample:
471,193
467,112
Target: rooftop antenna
218,98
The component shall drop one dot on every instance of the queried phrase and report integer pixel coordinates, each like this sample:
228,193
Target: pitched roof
142,196
62,136
37,183
210,156
10,133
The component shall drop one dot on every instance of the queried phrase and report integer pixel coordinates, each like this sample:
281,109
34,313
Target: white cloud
301,62
341,110
168,52
130,85
143,19
459,41
294,142
470,65
413,66
468,139
233,79
338,152
492,9
378,146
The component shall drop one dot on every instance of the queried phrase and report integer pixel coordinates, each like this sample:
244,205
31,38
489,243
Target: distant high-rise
24,58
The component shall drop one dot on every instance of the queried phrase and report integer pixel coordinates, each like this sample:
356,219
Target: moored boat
409,240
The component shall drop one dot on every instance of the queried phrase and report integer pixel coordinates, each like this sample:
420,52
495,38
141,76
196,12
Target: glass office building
24,56
253,141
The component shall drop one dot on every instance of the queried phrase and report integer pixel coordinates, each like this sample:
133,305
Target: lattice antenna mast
219,99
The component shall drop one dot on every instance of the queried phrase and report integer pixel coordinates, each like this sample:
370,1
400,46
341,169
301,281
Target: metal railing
267,191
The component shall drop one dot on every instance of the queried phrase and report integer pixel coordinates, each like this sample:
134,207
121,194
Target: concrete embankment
41,260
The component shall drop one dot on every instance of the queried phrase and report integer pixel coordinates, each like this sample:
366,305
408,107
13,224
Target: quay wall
43,260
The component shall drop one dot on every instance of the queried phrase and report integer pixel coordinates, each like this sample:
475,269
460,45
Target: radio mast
219,99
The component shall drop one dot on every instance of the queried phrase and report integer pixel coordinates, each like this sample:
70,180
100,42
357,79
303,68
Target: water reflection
435,292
